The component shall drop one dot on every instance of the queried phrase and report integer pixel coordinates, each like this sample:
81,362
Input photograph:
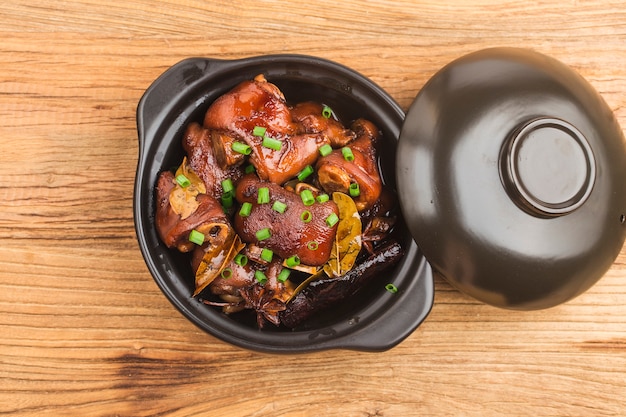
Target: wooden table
85,330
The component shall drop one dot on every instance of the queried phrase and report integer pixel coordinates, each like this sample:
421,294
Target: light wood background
84,329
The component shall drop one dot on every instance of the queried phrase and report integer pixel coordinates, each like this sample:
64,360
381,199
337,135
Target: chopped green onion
263,196
263,234
246,209
354,189
327,112
241,148
271,143
347,154
293,261
227,199
312,245
322,198
241,259
260,277
306,216
227,185
326,150
306,172
183,181
279,206
249,169
226,273
391,288
332,220
307,197
284,275
267,255
259,131
196,237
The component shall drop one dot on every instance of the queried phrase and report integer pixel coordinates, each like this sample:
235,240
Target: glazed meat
197,143
310,117
335,173
258,103
173,229
290,235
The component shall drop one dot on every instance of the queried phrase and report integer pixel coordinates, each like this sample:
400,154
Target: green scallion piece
347,154
183,181
227,199
306,216
241,259
259,131
284,275
322,198
391,288
263,196
307,197
279,206
326,150
241,148
263,234
260,277
305,173
196,237
246,209
312,245
226,273
267,255
327,112
293,261
354,189
271,143
332,220
227,186
249,169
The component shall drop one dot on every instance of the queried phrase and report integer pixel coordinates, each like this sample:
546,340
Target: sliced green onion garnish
249,169
305,173
259,131
241,148
279,206
326,150
391,288
227,199
354,189
263,196
263,234
271,143
227,185
260,277
226,273
246,209
322,198
267,255
241,259
293,261
347,154
183,181
307,197
284,275
312,245
332,220
327,112
196,237
306,216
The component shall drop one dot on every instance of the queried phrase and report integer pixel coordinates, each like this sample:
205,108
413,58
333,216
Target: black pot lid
510,170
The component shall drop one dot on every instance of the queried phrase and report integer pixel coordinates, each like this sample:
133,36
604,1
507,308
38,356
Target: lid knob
548,167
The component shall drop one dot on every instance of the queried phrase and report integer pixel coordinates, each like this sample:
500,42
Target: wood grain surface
86,332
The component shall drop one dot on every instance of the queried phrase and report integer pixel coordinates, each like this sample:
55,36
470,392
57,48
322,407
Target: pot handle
164,94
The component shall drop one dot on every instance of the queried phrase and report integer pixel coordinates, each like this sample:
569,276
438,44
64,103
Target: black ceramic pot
378,319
